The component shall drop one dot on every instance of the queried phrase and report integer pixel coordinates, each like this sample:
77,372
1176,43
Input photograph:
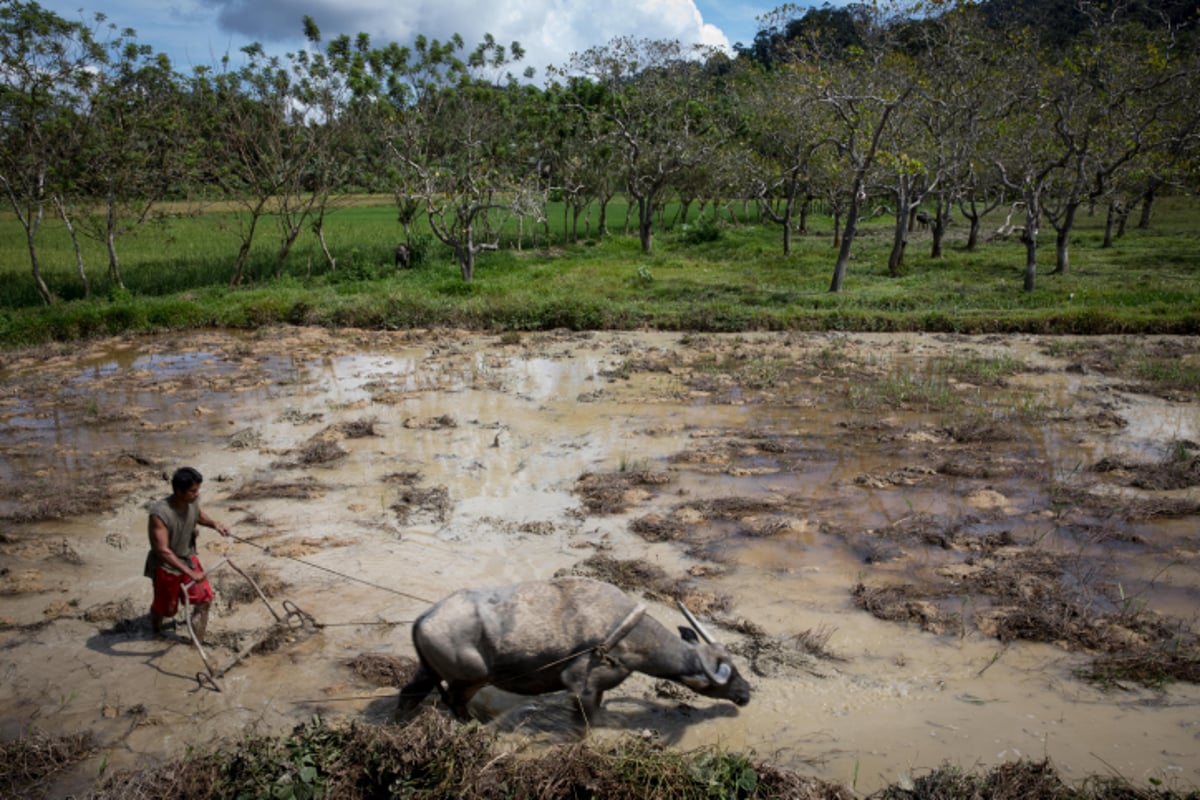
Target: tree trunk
937,227
645,224
781,217
1110,223
466,260
1062,242
243,256
899,235
83,279
602,223
110,240
290,232
1148,203
1029,237
319,229
1122,218
114,261
973,233
843,260
31,221
43,290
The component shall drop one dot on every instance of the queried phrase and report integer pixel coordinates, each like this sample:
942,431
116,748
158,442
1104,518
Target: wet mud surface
920,549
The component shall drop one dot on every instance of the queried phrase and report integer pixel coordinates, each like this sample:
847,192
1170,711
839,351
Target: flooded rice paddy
922,549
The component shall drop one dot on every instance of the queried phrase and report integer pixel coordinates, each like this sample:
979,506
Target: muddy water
506,428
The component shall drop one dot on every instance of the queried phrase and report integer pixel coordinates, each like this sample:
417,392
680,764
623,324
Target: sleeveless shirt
181,533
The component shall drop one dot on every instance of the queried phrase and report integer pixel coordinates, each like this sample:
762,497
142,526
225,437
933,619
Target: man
172,561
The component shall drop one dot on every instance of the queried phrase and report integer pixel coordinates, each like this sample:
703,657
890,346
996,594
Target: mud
921,548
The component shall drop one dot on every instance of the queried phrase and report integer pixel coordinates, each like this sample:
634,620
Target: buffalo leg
588,681
414,692
458,695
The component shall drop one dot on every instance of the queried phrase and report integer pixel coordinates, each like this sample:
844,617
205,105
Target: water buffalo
404,256
577,634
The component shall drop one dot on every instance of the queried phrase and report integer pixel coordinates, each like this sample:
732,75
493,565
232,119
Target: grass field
177,271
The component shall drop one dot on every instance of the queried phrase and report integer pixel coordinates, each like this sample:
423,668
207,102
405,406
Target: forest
916,113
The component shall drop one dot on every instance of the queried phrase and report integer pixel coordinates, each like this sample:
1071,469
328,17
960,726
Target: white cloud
549,30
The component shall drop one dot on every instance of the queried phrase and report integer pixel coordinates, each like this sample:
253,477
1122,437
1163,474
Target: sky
199,32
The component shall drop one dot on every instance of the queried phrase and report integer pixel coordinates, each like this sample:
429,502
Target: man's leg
166,600
200,621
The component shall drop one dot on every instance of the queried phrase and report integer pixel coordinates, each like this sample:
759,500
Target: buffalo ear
689,635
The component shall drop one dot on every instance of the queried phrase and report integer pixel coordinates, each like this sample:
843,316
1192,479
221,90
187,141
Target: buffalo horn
695,623
721,676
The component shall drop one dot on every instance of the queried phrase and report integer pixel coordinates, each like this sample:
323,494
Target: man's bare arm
209,522
160,541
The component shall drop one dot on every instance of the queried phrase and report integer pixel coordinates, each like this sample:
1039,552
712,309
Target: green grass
177,271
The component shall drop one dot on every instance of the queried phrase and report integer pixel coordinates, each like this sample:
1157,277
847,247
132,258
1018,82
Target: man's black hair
185,478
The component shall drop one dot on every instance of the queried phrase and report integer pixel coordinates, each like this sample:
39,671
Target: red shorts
168,588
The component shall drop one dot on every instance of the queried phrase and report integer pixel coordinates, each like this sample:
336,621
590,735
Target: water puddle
788,480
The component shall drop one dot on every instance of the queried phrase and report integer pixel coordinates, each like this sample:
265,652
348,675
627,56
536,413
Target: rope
267,550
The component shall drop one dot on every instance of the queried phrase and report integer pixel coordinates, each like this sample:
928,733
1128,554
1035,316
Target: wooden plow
292,618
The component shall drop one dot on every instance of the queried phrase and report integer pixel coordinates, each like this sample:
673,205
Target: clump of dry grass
302,489
409,478
609,493
1029,599
629,574
39,499
321,452
436,759
1179,469
905,603
235,590
657,528
1154,665
381,670
432,423
29,761
432,500
1107,504
359,428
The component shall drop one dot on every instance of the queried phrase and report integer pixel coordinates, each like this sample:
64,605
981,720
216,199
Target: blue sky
198,32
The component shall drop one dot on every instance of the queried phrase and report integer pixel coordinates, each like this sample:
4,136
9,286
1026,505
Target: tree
136,147
1143,78
455,145
833,30
659,107
273,126
46,68
337,129
783,132
1028,150
957,69
865,94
